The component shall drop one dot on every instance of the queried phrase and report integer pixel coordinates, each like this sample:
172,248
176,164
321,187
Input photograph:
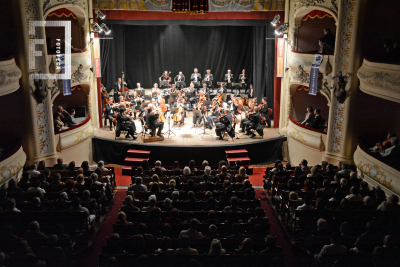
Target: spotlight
96,28
100,14
105,28
282,29
276,20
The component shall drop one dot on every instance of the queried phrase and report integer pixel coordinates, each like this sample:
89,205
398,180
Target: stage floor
187,136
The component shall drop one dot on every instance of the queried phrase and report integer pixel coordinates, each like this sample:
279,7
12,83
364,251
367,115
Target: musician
264,111
159,98
196,76
165,76
137,103
224,123
205,89
234,105
221,89
104,96
155,88
152,123
121,101
246,121
172,90
209,77
125,123
229,80
192,91
254,124
180,78
251,92
214,115
118,86
243,80
180,104
199,106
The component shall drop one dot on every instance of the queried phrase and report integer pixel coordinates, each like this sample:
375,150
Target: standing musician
263,108
105,97
152,123
243,80
196,76
109,112
155,88
117,86
229,80
214,115
255,119
137,102
180,78
165,76
224,123
199,106
125,123
180,104
251,92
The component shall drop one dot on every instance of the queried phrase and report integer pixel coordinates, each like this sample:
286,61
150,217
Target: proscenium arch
302,11
76,9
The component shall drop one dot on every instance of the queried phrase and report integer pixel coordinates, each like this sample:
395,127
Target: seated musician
197,118
109,112
165,76
254,124
196,76
264,111
125,123
182,95
192,90
137,103
224,122
209,77
152,123
104,95
205,89
221,89
243,80
138,87
229,80
251,92
214,115
234,104
122,101
172,90
160,99
180,104
246,121
180,78
155,88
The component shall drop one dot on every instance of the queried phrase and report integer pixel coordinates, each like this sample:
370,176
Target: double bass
106,100
123,90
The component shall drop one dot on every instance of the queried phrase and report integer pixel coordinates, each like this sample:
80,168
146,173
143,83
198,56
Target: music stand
204,125
153,94
196,84
169,132
174,111
198,112
164,84
145,104
179,84
207,82
140,92
171,102
207,103
173,95
237,86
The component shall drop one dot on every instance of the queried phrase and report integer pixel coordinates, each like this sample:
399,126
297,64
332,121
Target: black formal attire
177,105
234,108
153,124
255,124
109,115
251,93
117,86
193,79
317,122
138,106
243,81
245,123
124,123
229,84
264,114
197,118
209,77
210,119
103,97
225,123
180,79
329,39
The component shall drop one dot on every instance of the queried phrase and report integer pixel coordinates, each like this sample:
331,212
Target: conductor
152,123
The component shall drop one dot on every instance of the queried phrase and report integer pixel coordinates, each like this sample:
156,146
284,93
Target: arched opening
311,29
301,100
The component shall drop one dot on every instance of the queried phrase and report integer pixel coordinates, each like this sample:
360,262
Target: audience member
216,248
192,232
334,249
185,248
309,116
354,196
33,172
138,186
60,165
390,205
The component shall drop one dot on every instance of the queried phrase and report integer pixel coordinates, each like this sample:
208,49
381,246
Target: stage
187,144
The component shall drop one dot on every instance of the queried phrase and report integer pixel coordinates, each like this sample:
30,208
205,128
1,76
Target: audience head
205,163
293,196
167,203
186,171
310,109
234,201
322,224
393,199
193,224
259,212
41,165
192,165
304,163
343,182
216,247
138,180
34,226
246,246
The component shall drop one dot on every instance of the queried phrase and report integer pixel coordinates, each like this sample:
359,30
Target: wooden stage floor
191,137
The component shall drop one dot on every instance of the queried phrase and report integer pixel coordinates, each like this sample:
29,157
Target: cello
123,90
179,115
106,100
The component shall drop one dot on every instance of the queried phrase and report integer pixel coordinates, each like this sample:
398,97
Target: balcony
377,172
11,163
74,136
380,79
305,142
305,60
9,76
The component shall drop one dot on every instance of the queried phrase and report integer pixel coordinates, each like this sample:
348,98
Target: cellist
180,116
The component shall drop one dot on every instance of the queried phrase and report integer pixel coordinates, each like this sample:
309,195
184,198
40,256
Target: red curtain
316,14
192,6
62,12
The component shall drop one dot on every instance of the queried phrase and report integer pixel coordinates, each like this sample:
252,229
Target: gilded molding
12,166
73,137
10,74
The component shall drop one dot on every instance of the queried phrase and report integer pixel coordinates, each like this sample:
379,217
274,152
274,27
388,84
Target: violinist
214,115
255,119
246,121
152,123
199,106
263,108
125,123
180,104
182,95
104,96
205,89
224,122
137,102
155,88
234,104
109,112
122,101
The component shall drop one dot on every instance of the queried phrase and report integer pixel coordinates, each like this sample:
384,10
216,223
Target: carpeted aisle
121,180
256,178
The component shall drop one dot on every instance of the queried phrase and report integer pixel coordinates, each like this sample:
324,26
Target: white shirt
34,173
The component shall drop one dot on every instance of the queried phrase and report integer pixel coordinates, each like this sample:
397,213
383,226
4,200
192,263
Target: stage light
276,20
282,29
96,28
105,28
100,14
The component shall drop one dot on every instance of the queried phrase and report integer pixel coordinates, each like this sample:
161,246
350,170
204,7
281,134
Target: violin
220,117
261,105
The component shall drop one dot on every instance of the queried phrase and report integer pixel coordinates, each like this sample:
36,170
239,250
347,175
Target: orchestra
222,113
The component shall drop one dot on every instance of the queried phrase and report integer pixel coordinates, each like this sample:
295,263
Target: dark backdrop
145,51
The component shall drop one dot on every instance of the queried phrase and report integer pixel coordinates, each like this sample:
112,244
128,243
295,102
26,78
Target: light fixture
100,14
276,20
105,28
282,29
96,27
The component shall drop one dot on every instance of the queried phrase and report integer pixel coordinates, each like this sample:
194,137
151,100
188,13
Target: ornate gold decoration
302,76
374,172
380,79
296,135
9,171
83,136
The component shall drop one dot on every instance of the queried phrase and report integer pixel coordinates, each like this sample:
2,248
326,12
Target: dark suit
243,77
221,90
229,84
264,114
124,123
210,119
109,115
251,93
117,86
103,97
192,78
176,79
255,124
224,124
153,124
317,123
